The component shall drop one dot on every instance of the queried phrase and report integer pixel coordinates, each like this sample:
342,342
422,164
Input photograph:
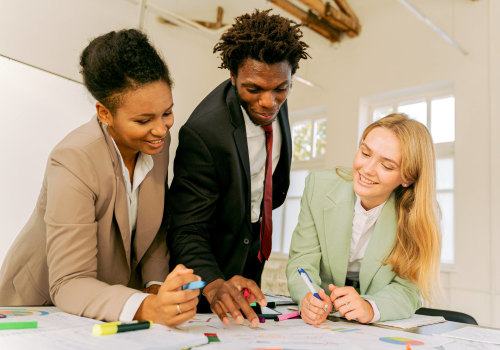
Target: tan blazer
76,251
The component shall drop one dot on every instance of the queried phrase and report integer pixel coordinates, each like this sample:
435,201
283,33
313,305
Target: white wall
395,50
29,109
494,93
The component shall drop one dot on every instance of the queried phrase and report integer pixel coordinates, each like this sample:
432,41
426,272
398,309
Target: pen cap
104,329
194,285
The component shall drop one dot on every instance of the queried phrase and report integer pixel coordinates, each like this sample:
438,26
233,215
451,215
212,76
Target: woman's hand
350,304
172,305
313,310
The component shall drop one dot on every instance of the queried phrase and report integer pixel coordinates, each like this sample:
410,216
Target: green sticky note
18,325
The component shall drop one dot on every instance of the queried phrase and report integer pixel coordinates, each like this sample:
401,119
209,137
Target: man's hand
227,296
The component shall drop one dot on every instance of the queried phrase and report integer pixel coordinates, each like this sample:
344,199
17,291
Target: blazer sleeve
305,249
397,300
192,202
72,242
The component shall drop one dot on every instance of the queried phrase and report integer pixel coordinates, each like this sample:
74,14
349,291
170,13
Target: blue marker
308,282
194,285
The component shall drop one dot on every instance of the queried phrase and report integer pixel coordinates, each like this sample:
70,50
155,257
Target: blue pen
308,282
194,285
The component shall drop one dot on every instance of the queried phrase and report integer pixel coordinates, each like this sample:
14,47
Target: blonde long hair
415,254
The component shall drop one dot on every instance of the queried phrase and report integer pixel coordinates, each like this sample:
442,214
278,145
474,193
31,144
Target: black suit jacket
209,199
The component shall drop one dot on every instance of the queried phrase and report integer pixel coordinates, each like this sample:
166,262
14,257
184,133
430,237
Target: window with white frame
433,106
308,129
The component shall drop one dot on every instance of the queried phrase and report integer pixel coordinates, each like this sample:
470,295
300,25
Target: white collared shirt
257,153
363,225
143,166
362,229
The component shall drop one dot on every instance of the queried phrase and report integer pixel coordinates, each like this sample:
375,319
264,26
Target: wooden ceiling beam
310,20
336,17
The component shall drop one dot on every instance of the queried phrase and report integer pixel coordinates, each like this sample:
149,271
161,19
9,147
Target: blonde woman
370,235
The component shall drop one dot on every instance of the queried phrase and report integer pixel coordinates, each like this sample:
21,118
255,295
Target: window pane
417,111
445,200
277,228
381,112
443,119
445,173
292,210
319,138
302,140
297,183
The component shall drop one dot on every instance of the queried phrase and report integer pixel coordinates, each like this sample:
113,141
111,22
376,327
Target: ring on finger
307,306
325,308
179,311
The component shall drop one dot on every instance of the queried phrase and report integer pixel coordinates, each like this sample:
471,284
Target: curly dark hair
263,37
117,62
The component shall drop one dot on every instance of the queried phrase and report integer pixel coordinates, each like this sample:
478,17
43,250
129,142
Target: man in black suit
215,202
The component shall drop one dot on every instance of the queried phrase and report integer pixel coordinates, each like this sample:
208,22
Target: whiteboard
38,109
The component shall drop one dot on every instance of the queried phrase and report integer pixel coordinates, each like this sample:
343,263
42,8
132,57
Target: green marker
18,325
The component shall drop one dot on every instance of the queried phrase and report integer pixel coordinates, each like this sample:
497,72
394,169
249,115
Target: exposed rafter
324,18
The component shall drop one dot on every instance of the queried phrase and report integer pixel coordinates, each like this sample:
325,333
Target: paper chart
5,313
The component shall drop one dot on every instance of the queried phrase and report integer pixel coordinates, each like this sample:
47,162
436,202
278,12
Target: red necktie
266,229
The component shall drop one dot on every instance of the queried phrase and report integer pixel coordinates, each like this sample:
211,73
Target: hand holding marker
118,327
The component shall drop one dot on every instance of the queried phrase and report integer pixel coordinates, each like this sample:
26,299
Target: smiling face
141,121
377,167
262,88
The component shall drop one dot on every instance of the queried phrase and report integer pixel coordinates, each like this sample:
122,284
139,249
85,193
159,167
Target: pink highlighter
289,315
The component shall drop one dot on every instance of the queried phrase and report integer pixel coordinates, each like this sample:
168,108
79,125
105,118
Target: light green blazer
321,245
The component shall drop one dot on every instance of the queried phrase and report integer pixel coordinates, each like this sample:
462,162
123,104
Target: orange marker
408,347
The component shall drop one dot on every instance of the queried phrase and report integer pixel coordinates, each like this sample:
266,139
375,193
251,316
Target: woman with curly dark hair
97,236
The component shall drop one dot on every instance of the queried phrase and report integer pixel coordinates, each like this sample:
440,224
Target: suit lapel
150,212
151,203
380,243
338,215
121,214
239,133
121,207
286,143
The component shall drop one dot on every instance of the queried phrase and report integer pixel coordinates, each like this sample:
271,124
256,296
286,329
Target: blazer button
246,241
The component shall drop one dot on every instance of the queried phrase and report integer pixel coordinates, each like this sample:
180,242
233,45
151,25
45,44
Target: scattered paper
412,322
478,334
64,331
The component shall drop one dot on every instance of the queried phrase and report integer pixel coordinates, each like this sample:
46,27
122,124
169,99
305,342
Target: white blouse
362,229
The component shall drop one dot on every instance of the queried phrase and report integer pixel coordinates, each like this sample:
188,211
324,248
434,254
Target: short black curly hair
263,37
116,62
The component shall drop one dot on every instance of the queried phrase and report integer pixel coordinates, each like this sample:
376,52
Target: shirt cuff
131,306
376,311
150,283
